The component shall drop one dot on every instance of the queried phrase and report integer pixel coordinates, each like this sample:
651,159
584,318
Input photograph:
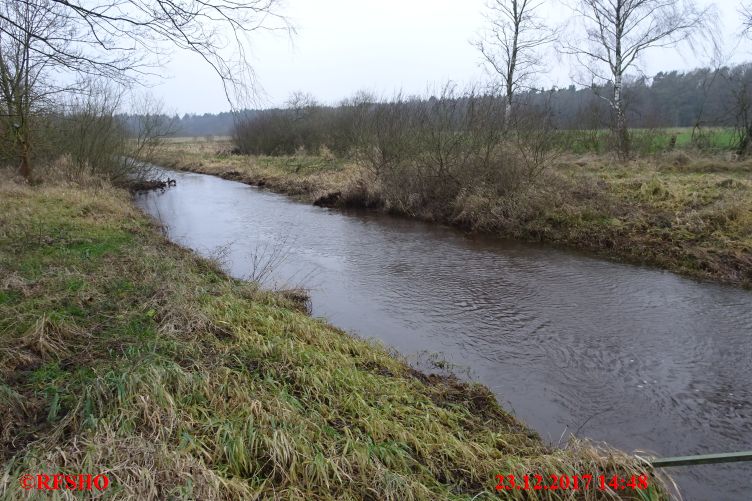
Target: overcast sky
343,46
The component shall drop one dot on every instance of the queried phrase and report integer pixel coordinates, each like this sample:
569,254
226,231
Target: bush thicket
422,154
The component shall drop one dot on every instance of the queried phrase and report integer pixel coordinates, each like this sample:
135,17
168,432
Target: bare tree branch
120,41
125,39
746,11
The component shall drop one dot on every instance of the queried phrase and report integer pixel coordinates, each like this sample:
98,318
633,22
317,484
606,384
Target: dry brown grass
686,213
125,355
306,177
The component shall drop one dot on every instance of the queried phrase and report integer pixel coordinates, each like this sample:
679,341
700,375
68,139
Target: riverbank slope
689,215
125,355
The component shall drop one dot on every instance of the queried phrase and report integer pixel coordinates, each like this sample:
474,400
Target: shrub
421,153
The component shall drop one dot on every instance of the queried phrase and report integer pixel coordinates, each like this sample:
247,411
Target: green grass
648,141
123,354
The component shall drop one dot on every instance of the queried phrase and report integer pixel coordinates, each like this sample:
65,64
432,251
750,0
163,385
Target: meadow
649,141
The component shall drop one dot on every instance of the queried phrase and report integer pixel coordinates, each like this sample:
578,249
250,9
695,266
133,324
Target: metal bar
724,457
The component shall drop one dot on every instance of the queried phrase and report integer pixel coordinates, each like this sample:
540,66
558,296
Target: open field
649,141
197,139
687,213
125,355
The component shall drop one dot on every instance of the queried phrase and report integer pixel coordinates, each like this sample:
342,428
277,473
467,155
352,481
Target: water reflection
637,357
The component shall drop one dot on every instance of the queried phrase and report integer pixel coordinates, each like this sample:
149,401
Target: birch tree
511,44
618,32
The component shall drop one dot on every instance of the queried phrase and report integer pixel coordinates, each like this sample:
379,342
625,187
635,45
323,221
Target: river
637,357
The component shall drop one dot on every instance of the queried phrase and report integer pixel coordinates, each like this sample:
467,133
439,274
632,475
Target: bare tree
122,40
746,11
91,133
511,45
148,130
117,37
618,32
25,68
302,105
739,82
742,90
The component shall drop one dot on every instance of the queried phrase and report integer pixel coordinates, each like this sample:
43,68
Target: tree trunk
24,169
744,141
507,112
620,126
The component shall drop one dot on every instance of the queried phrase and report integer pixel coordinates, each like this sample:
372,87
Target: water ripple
638,357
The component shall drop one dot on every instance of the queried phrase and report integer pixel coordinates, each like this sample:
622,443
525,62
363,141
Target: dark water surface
637,357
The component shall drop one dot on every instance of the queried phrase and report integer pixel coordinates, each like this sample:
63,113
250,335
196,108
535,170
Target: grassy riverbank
125,355
685,214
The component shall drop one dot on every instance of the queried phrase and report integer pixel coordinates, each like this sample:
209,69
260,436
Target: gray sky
343,46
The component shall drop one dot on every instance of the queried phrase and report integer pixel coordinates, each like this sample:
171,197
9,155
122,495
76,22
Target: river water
637,357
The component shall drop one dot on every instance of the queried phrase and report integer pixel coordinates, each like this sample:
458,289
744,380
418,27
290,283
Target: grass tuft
123,354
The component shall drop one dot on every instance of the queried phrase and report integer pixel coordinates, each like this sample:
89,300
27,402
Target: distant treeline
701,97
705,97
192,125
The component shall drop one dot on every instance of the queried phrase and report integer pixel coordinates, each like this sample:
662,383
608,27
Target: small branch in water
588,420
151,184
